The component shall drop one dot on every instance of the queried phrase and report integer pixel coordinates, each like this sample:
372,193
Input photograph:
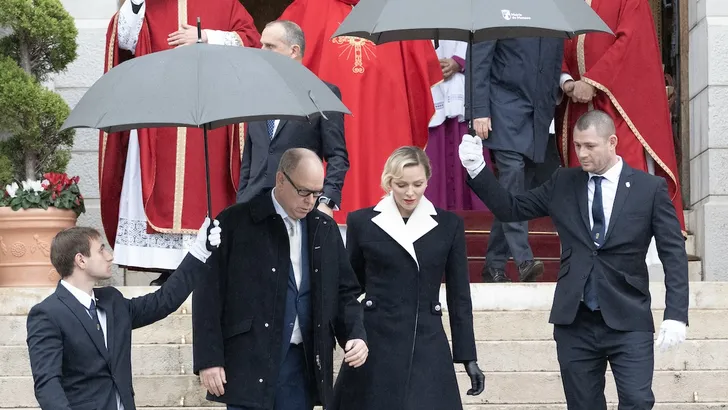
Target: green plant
56,190
42,42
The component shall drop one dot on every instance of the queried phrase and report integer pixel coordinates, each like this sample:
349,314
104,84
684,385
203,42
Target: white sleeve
130,24
564,78
223,38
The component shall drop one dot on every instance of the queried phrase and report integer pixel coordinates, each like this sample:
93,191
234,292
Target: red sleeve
630,20
422,72
241,22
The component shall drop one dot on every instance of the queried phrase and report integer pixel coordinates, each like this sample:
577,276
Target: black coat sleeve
207,302
513,208
459,303
482,60
350,318
147,309
671,250
45,348
334,152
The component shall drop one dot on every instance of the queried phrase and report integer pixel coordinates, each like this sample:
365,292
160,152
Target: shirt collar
80,295
279,209
613,173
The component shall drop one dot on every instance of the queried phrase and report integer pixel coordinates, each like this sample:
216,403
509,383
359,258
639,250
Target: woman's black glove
477,379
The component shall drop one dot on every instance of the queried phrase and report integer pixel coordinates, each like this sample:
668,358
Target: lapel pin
626,184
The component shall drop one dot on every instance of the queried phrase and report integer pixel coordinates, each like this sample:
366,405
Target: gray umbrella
202,85
382,21
473,21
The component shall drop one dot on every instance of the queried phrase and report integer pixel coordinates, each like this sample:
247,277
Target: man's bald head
299,181
600,120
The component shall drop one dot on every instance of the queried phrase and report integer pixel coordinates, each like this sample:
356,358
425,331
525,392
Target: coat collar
420,222
82,315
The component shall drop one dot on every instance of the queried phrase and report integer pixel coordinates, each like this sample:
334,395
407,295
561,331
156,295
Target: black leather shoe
161,279
495,275
530,271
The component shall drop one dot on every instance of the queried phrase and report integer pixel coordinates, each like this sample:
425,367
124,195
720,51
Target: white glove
471,154
672,333
199,248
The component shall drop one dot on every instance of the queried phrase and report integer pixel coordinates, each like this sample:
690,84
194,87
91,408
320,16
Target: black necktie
590,289
94,313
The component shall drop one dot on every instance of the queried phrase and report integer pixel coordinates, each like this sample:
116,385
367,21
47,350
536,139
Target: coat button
437,308
273,269
260,380
369,303
266,325
595,253
315,270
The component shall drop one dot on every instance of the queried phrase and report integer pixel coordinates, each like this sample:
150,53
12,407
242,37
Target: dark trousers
294,391
517,174
584,348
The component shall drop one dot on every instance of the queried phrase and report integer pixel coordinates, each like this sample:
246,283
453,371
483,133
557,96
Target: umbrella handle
199,31
209,195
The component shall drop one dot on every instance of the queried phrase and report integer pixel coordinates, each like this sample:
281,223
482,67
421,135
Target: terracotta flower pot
25,245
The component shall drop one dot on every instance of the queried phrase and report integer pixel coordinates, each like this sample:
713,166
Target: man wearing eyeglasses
265,141
281,293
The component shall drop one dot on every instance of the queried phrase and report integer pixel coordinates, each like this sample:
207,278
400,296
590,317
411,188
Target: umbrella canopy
202,85
382,21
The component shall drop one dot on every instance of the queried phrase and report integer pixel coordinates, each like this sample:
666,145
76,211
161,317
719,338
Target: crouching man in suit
79,338
606,214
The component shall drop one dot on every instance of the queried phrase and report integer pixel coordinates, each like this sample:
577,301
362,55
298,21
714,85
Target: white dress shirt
85,300
293,226
609,192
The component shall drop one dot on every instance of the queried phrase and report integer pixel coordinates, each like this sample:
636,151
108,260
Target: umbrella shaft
207,175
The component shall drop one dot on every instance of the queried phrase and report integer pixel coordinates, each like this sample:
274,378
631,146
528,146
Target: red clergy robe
386,87
172,160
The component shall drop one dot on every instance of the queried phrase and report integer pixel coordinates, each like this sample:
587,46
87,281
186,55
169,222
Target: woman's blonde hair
400,159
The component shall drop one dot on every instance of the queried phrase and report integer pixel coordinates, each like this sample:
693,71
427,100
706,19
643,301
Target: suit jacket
72,369
238,315
261,154
516,84
401,268
642,209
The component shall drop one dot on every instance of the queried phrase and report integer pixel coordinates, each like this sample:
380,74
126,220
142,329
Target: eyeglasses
303,192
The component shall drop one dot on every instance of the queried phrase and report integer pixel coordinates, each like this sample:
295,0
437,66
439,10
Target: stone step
493,356
502,388
485,296
489,326
535,406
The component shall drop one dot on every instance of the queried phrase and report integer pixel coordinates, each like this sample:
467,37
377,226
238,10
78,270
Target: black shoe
495,275
530,271
160,280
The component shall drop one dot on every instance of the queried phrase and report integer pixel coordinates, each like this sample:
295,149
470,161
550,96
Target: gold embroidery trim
109,63
179,181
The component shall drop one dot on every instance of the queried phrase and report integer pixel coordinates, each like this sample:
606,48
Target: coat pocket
237,329
639,284
436,308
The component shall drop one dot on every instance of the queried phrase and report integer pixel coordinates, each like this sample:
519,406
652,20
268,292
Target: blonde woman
400,250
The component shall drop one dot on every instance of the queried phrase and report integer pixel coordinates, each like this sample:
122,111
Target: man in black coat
515,86
79,338
606,214
282,288
265,141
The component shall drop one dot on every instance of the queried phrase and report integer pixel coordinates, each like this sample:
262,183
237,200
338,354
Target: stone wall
708,20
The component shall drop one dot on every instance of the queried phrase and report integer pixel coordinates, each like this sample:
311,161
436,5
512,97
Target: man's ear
296,51
79,260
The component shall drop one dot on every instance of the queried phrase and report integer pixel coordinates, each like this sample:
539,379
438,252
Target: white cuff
474,173
564,78
222,38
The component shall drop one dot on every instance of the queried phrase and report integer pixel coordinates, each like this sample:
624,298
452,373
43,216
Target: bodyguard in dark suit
605,213
515,86
281,289
266,141
79,338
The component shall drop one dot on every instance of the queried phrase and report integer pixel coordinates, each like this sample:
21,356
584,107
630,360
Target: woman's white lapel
419,223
